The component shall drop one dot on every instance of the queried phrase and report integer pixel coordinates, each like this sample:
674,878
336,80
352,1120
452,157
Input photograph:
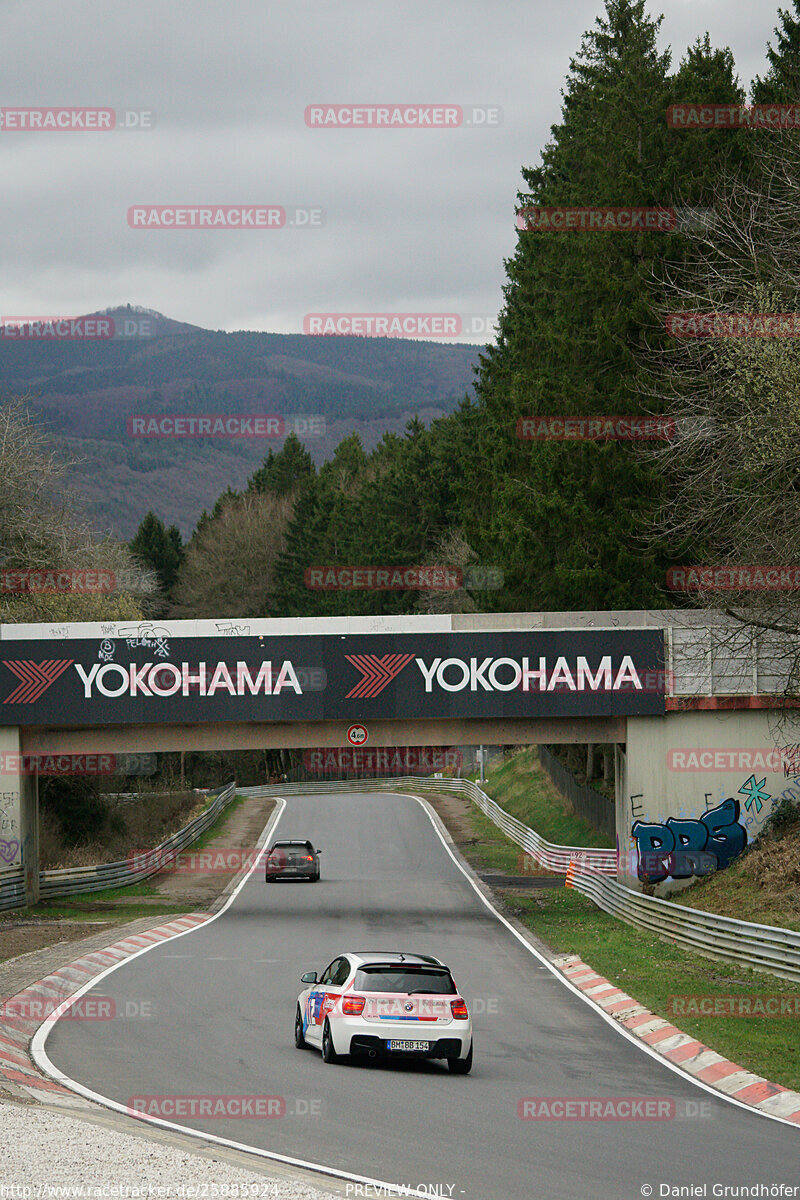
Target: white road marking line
643,1046
40,1057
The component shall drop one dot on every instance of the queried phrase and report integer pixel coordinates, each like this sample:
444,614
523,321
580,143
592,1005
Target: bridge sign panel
319,677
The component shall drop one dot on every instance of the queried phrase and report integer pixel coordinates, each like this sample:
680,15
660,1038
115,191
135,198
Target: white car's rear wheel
461,1066
329,1055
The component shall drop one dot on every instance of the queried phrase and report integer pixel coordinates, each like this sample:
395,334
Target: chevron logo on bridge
376,672
36,677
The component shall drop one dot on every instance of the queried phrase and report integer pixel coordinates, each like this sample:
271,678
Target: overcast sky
414,220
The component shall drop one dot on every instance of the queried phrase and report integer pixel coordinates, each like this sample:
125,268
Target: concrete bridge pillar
19,813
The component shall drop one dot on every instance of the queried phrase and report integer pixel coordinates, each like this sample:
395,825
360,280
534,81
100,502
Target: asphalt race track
222,1001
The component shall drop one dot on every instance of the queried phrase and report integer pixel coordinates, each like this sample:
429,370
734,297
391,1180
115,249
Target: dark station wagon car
292,858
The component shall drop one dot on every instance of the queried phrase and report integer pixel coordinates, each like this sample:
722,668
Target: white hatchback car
393,1005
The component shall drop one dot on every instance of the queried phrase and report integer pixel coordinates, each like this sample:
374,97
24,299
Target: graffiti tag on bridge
682,848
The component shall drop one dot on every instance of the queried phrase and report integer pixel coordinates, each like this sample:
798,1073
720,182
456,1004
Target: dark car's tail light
353,1006
459,1010
309,858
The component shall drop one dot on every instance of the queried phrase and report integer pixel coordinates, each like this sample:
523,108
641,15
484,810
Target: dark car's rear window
435,980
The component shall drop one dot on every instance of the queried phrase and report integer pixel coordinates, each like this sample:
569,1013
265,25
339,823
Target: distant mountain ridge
86,388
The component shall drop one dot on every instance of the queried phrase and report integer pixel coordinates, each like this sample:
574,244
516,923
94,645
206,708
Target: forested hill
86,388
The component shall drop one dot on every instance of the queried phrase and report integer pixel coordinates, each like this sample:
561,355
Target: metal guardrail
66,881
546,854
12,889
762,947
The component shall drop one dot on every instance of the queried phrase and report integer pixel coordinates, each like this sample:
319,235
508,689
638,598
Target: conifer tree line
570,525
558,525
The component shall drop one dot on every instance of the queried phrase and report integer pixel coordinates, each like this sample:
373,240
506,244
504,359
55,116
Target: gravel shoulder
52,1152
92,1151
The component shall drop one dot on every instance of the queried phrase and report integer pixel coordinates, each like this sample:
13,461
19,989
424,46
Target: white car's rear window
432,980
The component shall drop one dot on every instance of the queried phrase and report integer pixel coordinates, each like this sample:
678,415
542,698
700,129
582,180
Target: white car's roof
393,956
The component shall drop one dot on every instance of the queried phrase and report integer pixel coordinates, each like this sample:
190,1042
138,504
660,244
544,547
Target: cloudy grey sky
415,220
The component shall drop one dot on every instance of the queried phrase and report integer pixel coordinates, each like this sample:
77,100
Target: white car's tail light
459,1010
353,1006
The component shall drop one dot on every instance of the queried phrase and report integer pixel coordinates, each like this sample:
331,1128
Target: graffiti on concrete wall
9,831
680,847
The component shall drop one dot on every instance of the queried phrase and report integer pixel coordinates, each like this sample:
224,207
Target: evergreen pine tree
285,471
781,84
565,518
159,548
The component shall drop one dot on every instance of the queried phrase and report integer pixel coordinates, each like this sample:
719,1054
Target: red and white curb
681,1049
22,1014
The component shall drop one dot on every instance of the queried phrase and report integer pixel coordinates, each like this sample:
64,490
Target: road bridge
688,704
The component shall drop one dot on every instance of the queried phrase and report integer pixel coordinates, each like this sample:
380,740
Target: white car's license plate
403,1044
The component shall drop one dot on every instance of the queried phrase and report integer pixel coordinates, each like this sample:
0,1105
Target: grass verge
525,790
761,886
72,908
644,966
220,823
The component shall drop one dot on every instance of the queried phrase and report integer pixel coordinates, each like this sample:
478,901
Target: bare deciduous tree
229,567
734,463
454,551
42,529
